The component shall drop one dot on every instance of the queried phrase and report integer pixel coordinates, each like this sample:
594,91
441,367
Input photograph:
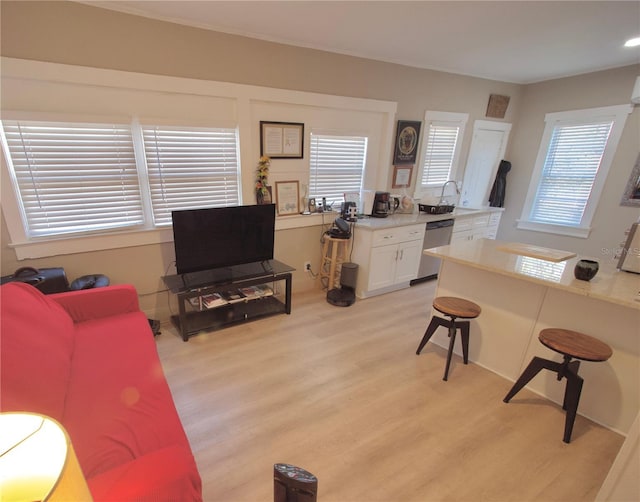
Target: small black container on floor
293,484
345,295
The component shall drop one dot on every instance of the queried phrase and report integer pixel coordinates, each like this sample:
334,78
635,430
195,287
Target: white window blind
337,165
440,151
73,177
439,154
190,168
569,172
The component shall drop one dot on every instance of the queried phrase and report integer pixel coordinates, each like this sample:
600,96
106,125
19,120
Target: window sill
581,232
305,220
92,243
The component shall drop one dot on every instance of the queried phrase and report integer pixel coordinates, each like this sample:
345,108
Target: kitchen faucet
443,188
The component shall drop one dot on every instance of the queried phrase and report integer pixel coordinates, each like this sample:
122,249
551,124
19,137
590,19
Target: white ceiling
513,41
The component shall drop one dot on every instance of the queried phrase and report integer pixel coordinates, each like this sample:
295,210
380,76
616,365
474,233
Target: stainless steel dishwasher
438,233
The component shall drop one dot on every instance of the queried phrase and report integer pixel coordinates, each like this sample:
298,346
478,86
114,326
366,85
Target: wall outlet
307,266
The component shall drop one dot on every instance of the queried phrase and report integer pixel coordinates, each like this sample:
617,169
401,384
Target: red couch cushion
36,348
166,474
119,406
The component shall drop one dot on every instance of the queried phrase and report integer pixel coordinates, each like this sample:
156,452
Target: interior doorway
487,150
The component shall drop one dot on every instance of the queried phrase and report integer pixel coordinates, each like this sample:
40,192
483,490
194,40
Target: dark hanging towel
496,197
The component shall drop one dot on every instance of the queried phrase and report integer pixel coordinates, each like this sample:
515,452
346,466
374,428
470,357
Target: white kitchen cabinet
388,258
476,226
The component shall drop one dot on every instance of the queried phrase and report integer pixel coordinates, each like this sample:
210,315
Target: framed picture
287,197
402,176
497,106
631,196
312,205
281,140
407,136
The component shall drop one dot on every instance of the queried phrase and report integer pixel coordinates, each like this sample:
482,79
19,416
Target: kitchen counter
399,219
521,295
610,284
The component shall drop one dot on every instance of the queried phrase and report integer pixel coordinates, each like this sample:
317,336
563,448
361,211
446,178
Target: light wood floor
340,392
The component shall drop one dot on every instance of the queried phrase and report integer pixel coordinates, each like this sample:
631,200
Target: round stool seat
457,307
575,344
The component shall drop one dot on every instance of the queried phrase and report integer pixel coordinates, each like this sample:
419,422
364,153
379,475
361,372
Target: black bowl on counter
585,270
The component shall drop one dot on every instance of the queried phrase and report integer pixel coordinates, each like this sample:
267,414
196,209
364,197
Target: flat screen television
222,236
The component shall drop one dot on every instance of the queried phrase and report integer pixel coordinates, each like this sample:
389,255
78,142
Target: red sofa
88,359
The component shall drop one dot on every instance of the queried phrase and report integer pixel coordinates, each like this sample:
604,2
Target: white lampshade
635,95
37,461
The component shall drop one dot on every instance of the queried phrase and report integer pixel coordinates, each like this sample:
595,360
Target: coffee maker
381,205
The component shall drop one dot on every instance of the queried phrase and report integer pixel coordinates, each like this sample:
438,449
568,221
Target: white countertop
401,220
609,284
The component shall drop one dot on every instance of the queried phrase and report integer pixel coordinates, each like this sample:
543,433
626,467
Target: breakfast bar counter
523,289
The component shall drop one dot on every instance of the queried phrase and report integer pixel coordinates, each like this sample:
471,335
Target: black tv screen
223,236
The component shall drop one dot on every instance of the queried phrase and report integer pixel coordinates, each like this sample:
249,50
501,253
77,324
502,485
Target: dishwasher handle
440,224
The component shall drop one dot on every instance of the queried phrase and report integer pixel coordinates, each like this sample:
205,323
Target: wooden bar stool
454,308
572,345
334,253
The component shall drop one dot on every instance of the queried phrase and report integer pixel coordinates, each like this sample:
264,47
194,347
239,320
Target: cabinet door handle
401,254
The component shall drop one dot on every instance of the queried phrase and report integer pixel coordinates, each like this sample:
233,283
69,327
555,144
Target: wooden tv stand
194,317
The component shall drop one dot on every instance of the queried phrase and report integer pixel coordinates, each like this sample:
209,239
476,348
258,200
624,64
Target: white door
487,150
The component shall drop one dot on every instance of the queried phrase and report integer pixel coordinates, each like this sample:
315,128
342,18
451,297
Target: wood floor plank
340,392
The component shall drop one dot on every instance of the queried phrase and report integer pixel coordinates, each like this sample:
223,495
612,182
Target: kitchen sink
439,209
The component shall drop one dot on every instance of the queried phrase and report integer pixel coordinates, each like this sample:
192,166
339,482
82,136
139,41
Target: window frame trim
431,116
337,133
243,98
617,113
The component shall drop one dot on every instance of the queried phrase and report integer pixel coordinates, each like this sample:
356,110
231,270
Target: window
190,169
73,177
573,161
81,178
441,147
337,165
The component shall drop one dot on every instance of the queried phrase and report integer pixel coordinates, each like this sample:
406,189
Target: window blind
74,177
337,165
439,154
569,172
190,168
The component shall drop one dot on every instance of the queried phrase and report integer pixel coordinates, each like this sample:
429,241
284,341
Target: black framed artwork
281,140
407,137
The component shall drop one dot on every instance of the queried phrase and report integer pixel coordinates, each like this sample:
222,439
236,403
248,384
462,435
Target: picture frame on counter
407,138
402,176
281,140
287,198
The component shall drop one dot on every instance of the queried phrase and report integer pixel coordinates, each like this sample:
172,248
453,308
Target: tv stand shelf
191,321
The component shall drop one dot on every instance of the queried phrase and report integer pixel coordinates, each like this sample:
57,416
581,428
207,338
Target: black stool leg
464,337
571,400
431,329
452,339
536,365
572,368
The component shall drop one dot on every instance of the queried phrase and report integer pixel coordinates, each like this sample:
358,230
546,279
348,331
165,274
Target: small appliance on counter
349,211
630,257
381,205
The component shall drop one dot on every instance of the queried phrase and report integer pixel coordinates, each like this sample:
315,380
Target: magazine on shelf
207,301
233,296
213,300
266,290
258,291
